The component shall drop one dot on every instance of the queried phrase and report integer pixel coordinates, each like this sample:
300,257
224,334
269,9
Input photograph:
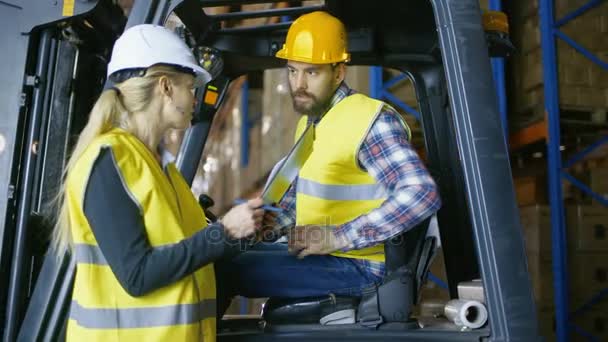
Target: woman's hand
244,219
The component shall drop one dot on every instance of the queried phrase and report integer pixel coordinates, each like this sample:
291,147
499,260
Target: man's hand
244,219
267,233
313,240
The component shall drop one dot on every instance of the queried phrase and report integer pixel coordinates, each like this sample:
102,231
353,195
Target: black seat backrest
404,249
412,249
407,257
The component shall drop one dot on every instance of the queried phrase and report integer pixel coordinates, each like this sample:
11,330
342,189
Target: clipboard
286,172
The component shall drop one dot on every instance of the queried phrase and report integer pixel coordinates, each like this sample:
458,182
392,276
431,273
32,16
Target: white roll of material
466,313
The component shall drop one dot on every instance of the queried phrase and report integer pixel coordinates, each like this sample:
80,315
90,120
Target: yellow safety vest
101,309
332,189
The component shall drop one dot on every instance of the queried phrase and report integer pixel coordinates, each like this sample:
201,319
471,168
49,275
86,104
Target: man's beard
315,107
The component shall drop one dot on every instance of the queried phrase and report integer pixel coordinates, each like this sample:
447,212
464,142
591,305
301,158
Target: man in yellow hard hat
362,184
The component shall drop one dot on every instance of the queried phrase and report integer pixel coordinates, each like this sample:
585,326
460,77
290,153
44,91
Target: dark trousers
268,270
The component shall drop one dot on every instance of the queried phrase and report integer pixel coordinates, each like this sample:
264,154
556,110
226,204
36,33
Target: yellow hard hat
316,38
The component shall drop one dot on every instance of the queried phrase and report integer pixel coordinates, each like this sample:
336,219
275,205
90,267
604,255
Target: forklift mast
53,70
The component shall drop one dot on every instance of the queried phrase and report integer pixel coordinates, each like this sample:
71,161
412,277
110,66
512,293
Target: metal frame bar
583,333
381,90
576,13
438,281
375,82
392,98
47,49
582,50
257,29
216,3
275,12
390,83
585,188
594,300
549,32
558,231
245,124
498,70
580,155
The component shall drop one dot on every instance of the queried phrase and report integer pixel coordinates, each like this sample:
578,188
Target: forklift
53,69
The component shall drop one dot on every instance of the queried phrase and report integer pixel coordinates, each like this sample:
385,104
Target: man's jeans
268,270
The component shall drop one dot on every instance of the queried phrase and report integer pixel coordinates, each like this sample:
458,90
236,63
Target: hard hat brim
201,76
282,54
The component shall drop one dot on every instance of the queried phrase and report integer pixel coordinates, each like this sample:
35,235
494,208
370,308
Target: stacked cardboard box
279,120
595,178
431,291
588,260
405,92
583,85
586,236
535,220
594,322
587,244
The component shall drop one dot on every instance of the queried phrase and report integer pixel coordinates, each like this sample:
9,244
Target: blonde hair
113,109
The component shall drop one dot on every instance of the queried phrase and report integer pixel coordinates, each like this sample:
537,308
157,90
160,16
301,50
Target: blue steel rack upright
498,70
550,29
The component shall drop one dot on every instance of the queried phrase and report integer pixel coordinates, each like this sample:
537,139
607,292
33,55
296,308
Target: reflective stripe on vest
89,254
145,317
359,192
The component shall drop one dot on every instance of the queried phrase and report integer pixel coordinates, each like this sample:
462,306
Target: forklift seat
408,257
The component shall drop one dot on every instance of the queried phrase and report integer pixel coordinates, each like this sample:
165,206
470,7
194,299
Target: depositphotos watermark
302,235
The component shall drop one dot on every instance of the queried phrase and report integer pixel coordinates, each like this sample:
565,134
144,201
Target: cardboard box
279,120
536,225
596,179
587,228
592,319
582,83
577,302
530,190
357,77
430,290
594,322
546,322
541,276
524,9
588,273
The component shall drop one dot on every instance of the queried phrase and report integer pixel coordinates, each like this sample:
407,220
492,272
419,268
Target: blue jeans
268,270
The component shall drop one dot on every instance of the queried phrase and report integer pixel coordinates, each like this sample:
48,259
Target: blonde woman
144,253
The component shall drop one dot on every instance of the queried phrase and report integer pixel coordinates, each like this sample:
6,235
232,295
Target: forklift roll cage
440,44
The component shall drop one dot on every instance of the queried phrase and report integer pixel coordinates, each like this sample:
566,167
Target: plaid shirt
387,155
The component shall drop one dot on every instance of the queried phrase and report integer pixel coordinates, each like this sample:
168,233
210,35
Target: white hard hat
143,46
